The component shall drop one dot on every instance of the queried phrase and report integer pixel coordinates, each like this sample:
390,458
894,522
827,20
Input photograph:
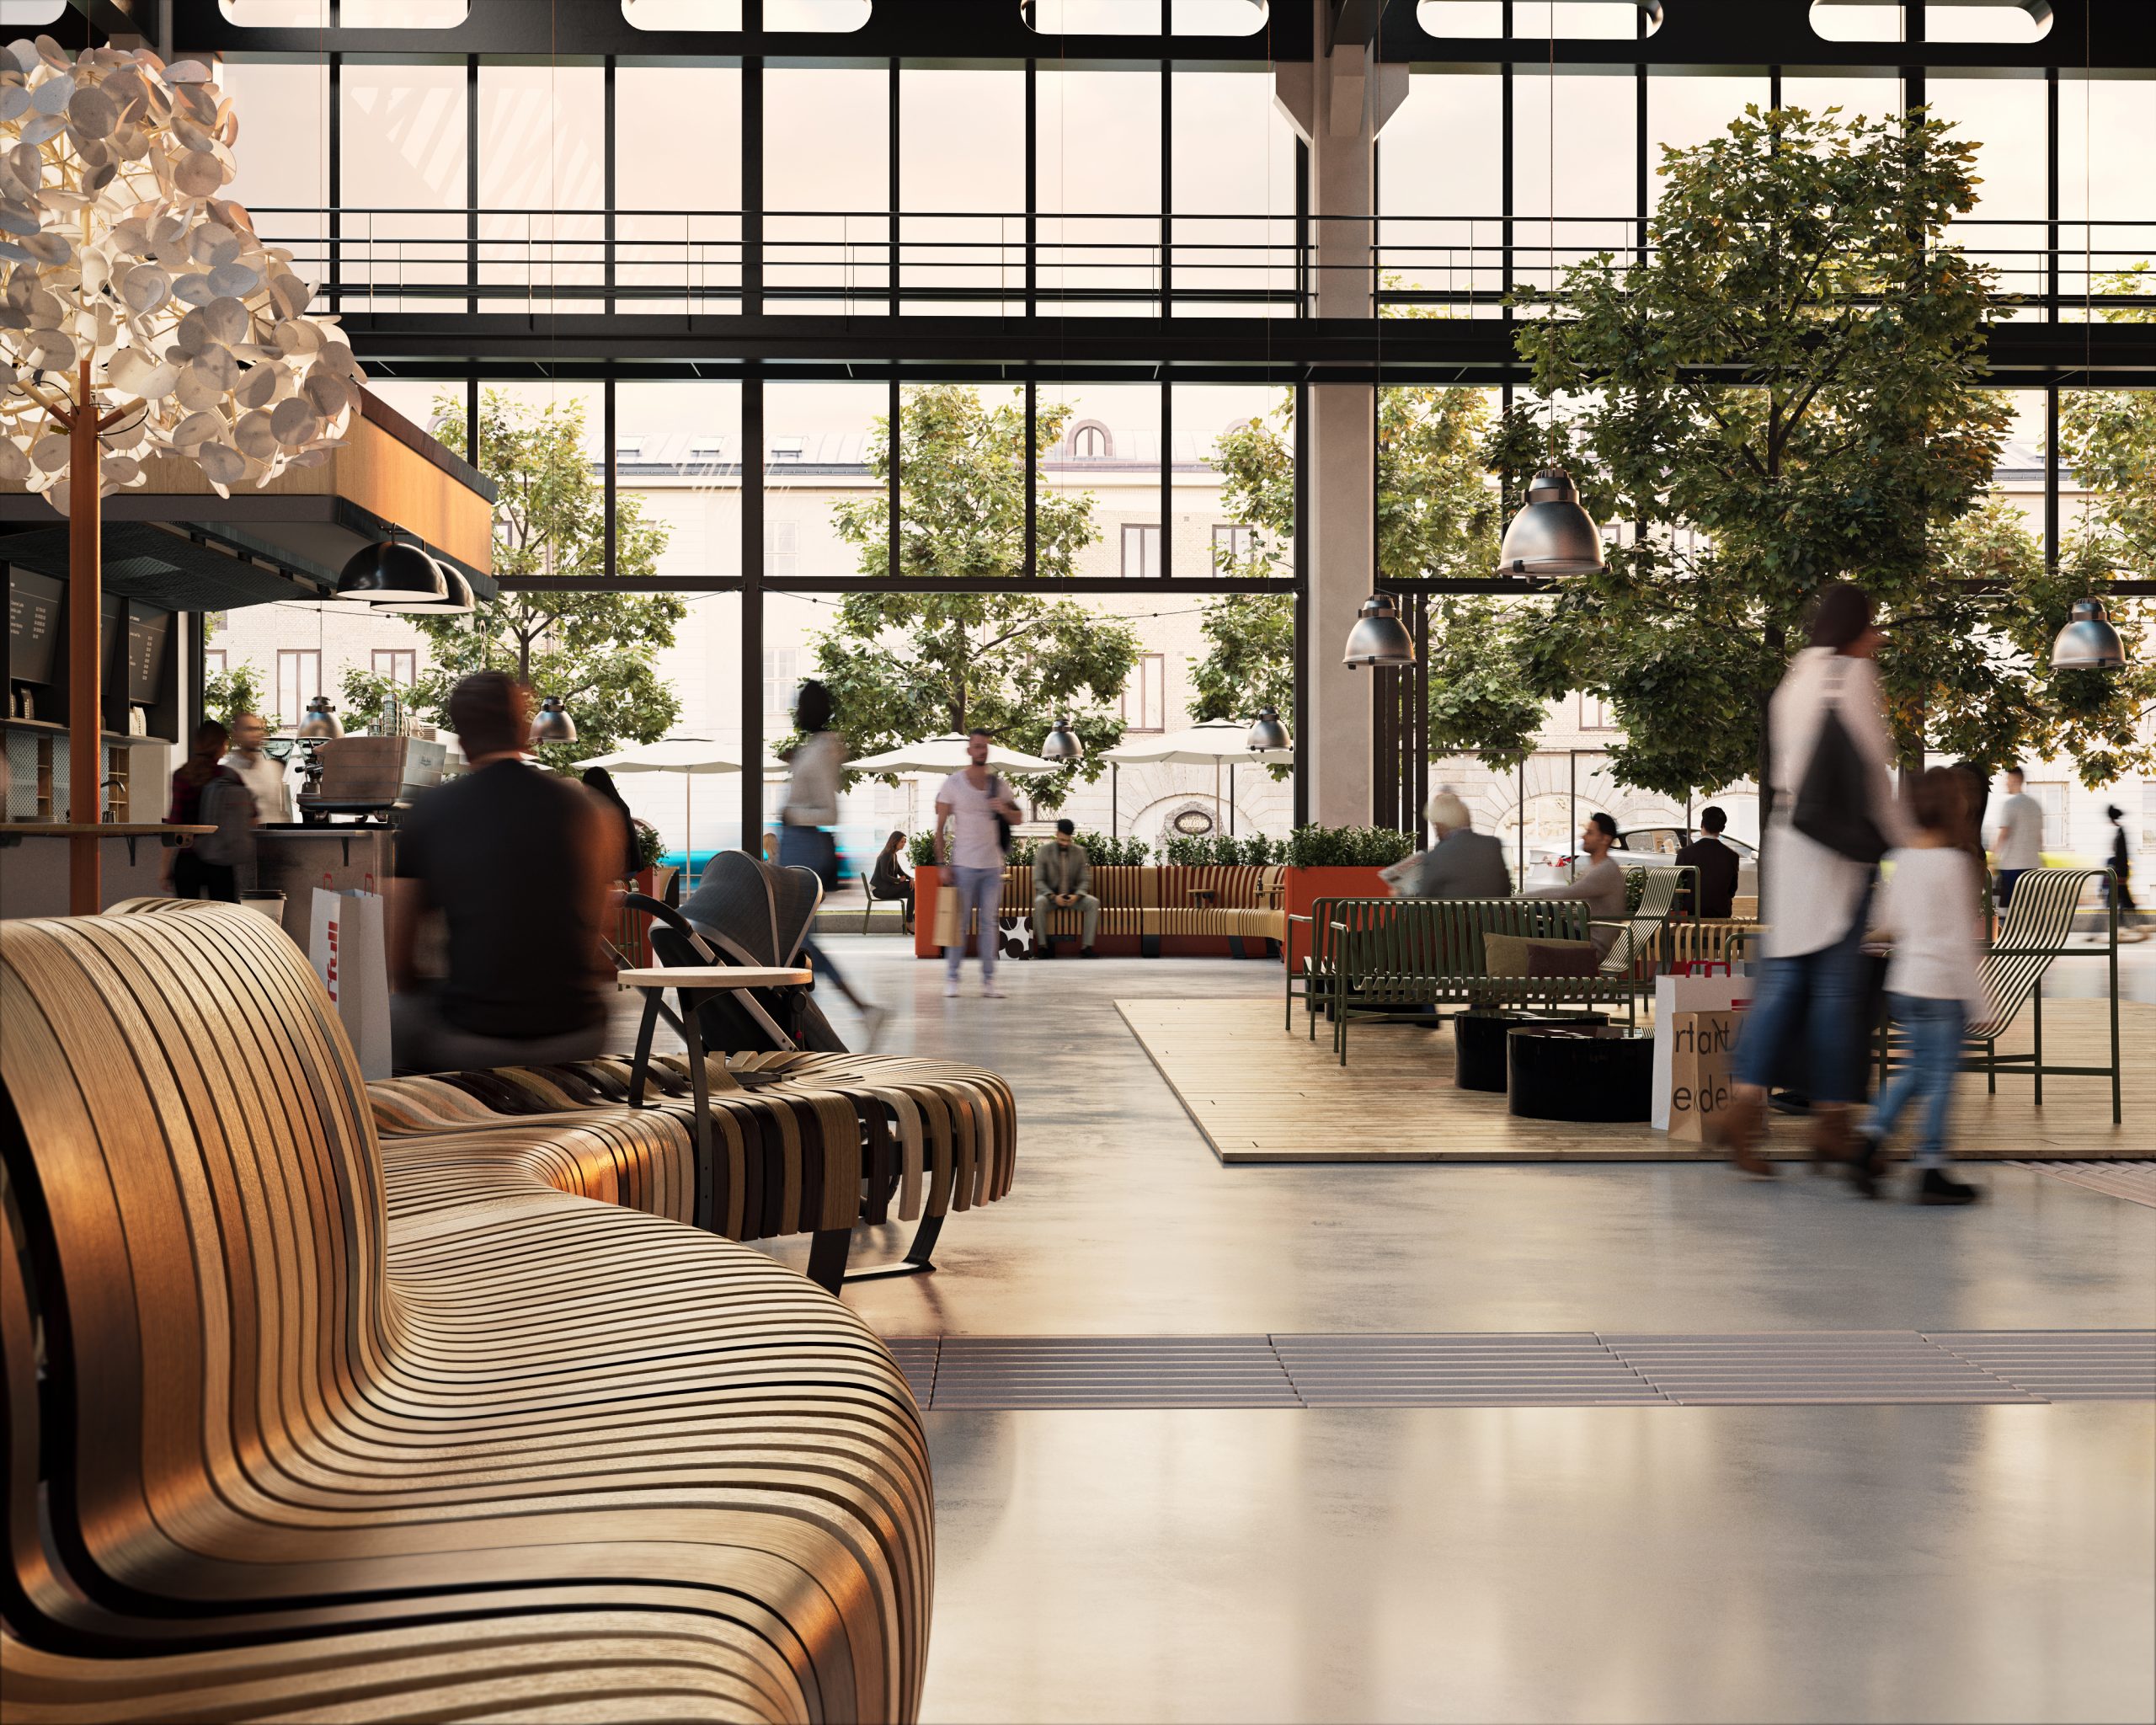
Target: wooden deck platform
1261,1094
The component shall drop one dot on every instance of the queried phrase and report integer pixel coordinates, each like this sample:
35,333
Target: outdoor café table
697,983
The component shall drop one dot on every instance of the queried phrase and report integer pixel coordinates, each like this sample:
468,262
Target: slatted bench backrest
194,1139
2033,932
1396,944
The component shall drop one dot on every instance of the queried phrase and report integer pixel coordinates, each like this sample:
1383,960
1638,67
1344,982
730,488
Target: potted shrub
1336,863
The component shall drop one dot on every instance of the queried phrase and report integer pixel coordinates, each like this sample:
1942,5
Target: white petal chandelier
136,293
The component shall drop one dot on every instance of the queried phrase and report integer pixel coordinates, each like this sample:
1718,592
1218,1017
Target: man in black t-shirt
518,862
1718,865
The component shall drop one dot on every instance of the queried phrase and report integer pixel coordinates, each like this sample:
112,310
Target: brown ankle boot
1832,1139
1736,1130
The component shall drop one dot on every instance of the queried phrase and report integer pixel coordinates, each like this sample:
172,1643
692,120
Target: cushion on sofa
1563,957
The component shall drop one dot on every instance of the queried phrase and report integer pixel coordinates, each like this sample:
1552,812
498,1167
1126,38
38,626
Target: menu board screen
148,631
33,625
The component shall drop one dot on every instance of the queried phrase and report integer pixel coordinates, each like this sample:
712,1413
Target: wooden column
85,697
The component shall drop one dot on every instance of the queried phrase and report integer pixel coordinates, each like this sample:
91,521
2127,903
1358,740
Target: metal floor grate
2134,1182
1578,1368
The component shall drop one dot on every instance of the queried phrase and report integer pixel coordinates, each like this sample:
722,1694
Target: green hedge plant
1348,846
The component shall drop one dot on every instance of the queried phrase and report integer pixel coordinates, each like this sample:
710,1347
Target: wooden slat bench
294,1429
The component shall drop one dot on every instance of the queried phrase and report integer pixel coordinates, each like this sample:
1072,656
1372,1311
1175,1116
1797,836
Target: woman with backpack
1834,815
206,793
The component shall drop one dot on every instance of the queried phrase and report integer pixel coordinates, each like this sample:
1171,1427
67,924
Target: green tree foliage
595,651
237,689
1436,516
903,666
2108,438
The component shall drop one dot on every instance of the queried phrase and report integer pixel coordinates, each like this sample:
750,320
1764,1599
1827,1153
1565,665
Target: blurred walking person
207,792
2121,871
807,814
976,805
1834,815
1931,908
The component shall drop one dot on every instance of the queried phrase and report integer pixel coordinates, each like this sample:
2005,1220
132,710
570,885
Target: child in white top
1932,907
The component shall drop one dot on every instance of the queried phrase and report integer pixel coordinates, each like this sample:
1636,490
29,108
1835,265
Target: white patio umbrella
691,756
944,756
1207,744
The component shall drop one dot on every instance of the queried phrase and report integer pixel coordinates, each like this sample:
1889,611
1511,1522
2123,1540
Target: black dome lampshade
1552,535
456,601
1267,733
2089,642
392,573
1378,637
1062,745
552,723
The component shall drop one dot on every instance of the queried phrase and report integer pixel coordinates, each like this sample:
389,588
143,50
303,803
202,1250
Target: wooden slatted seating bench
274,1450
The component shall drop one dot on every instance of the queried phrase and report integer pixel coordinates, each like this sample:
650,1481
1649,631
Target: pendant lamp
1378,637
1267,733
320,725
1552,535
2089,642
457,601
552,723
1062,745
391,572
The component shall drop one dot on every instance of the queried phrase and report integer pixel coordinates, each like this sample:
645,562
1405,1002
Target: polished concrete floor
1771,1564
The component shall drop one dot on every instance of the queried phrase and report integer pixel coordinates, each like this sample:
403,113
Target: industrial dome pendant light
552,723
1378,637
1553,534
456,601
320,725
391,573
1062,745
1267,733
2089,642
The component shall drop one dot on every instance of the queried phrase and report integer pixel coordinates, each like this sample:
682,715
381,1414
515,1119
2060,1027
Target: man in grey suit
1063,876
1464,863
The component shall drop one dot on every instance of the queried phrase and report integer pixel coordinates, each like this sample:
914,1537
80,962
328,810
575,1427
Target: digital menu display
33,610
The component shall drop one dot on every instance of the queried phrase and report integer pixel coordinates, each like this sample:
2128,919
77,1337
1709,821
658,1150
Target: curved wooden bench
519,1453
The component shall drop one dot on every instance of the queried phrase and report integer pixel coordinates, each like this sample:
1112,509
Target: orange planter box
1306,886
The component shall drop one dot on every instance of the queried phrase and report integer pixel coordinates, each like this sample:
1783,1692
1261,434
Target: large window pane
1233,191
2106,138
402,138
962,184
1591,176
542,183
2006,118
1099,190
1441,191
827,187
678,231
1099,453
283,154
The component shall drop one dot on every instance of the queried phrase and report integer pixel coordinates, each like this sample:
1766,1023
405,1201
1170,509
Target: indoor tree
595,651
904,666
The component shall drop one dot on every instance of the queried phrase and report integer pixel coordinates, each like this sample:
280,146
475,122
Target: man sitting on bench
1062,874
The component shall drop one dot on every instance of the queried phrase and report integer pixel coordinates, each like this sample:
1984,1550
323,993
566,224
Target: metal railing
1012,263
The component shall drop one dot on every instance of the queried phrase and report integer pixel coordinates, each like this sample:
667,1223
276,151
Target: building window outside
1595,715
1141,552
781,550
781,680
1233,545
299,680
1145,695
400,664
1090,442
213,661
2052,799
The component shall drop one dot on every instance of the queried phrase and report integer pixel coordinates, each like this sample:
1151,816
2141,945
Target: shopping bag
349,950
946,917
1674,997
1702,1050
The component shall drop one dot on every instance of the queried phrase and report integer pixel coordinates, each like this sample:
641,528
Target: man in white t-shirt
2017,846
968,802
265,777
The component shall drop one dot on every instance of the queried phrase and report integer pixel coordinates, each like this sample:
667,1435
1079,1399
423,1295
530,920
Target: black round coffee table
1478,1040
1597,1074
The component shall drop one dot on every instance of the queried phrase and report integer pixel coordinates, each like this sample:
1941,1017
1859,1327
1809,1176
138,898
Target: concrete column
1337,105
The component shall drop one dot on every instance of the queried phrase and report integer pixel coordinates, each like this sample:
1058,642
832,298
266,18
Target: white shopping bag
351,953
1673,995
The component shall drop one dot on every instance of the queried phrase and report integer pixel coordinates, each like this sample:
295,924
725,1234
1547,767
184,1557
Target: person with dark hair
1716,863
1814,895
1601,882
600,783
808,812
1929,909
1063,876
976,805
890,881
2121,871
2018,844
207,792
517,860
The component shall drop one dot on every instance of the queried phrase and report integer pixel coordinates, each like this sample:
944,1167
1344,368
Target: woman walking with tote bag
1834,815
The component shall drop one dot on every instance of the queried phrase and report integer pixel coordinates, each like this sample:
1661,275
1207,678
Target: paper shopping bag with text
1702,1050
1674,996
348,948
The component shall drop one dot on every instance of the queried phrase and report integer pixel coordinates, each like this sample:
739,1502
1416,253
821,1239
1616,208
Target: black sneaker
1937,1186
1866,1154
